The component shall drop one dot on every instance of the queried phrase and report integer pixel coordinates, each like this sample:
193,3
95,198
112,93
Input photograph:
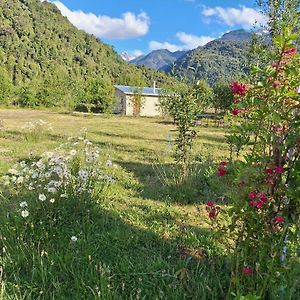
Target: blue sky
139,26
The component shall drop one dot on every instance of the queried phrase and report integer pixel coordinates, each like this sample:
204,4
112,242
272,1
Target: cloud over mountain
187,42
128,26
243,16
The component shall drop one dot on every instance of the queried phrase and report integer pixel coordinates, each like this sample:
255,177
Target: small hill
158,59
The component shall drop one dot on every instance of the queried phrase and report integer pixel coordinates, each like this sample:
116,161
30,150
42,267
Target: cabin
138,101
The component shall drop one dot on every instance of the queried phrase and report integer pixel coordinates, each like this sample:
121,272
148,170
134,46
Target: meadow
139,242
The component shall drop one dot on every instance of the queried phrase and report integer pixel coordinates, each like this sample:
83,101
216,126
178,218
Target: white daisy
74,238
24,213
42,197
23,204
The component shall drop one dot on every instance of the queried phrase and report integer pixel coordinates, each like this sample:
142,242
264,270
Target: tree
6,87
223,97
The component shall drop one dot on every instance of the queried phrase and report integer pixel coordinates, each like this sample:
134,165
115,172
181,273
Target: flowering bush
265,202
76,172
37,130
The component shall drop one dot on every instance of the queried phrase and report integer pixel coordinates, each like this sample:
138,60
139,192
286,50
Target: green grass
136,244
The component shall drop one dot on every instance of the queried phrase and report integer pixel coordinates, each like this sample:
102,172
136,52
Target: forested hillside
45,60
220,60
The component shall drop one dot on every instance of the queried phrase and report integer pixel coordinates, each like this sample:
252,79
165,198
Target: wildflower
210,203
20,180
235,111
252,195
223,164
73,152
248,271
64,196
42,197
279,169
259,204
24,213
51,189
74,238
279,219
221,172
52,200
83,175
23,204
108,163
212,214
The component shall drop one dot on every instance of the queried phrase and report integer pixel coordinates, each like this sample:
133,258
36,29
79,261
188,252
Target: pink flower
223,164
248,271
252,195
235,111
221,172
279,169
259,204
279,219
263,198
210,203
291,51
239,88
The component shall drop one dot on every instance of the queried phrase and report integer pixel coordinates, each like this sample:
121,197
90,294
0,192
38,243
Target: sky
140,26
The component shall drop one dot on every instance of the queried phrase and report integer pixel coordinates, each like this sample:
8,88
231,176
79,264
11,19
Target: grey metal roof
130,90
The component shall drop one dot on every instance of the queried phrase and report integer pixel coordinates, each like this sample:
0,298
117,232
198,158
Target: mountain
41,49
221,59
127,56
158,59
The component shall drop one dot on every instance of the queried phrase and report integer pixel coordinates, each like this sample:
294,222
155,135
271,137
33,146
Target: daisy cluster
76,169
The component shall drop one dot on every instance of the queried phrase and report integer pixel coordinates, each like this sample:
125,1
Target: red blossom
252,195
235,111
270,171
239,88
212,214
279,169
223,164
259,204
279,219
242,183
210,203
291,51
252,203
221,172
263,197
248,271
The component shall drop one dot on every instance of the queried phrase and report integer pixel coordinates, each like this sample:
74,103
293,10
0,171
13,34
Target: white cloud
127,26
187,42
243,16
137,53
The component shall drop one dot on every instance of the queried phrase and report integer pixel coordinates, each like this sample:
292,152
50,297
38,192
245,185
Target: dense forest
45,60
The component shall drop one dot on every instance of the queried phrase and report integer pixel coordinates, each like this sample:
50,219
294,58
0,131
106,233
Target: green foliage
223,97
220,60
49,60
6,87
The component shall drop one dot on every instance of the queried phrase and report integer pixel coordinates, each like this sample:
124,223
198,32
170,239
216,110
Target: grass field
139,244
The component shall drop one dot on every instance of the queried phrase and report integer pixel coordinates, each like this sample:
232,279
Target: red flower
235,111
259,204
270,171
210,203
248,271
239,88
263,198
252,195
212,214
252,203
279,219
291,51
279,169
223,164
221,172
242,183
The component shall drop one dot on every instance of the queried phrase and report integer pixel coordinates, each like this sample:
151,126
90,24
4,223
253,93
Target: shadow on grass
160,182
111,259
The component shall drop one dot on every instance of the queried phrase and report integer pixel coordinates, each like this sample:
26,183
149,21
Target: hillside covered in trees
45,60
219,60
